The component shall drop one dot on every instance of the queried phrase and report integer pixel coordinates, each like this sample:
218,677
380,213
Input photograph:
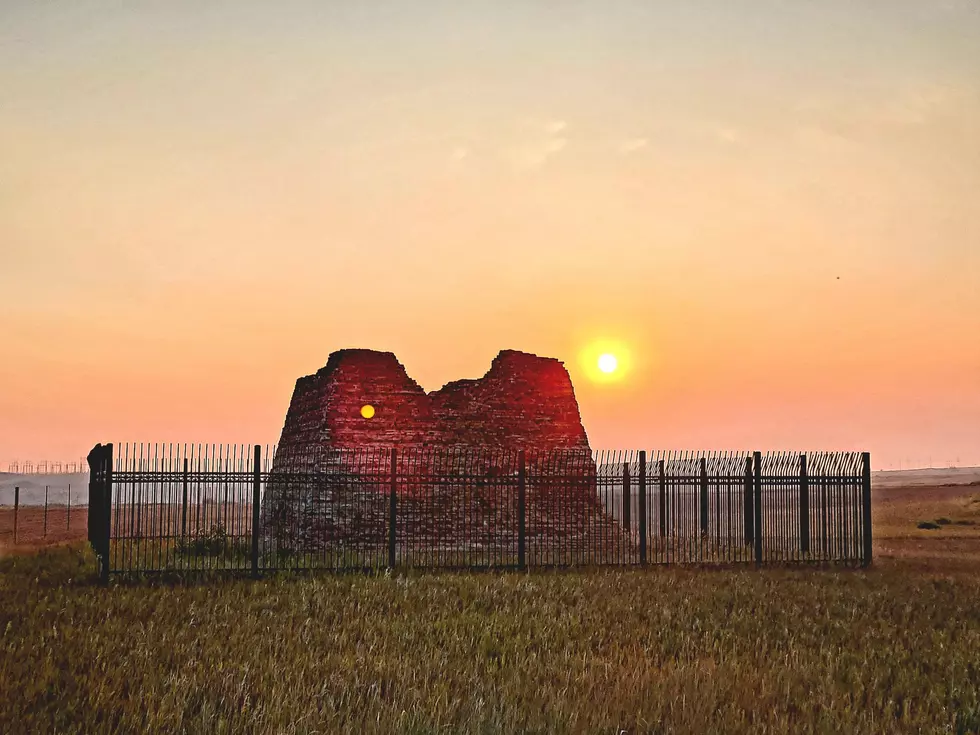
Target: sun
608,363
367,411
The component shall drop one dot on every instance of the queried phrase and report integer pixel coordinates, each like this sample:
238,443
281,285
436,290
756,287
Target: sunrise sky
772,207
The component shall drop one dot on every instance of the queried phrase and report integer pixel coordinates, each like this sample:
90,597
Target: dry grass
643,651
893,649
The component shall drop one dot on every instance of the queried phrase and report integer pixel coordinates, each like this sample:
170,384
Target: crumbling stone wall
468,428
523,402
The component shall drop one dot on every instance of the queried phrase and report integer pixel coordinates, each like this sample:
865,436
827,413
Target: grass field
892,649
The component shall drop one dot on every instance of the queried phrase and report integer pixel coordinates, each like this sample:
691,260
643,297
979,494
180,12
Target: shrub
213,543
928,526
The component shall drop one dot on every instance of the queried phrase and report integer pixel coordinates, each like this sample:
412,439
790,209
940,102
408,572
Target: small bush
943,521
213,543
966,523
928,526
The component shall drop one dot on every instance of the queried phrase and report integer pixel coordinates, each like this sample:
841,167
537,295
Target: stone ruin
457,455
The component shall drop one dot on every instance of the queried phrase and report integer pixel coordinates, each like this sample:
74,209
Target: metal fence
248,511
47,519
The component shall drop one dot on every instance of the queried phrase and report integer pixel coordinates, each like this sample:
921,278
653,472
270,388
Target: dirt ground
896,511
31,533
954,546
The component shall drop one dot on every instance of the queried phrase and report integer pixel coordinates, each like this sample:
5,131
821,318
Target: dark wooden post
183,501
757,502
16,507
704,495
747,505
626,497
256,505
643,506
45,511
662,470
866,506
804,506
392,508
69,507
522,509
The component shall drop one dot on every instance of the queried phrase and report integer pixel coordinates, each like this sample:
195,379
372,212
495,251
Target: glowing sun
608,363
367,411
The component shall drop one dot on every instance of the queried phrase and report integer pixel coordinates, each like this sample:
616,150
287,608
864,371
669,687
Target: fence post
662,468
704,495
16,507
866,505
392,508
757,502
626,497
747,504
256,505
45,535
804,506
643,506
69,508
104,522
522,509
183,503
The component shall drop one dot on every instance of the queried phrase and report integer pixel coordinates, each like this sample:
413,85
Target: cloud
555,126
543,140
534,155
863,112
633,145
728,135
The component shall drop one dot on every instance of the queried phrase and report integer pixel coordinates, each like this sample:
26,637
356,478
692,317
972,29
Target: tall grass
662,650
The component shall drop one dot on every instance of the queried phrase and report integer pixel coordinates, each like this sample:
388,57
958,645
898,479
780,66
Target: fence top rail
165,461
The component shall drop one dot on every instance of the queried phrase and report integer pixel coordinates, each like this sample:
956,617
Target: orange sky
773,206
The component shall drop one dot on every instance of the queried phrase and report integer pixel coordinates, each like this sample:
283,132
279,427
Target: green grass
661,650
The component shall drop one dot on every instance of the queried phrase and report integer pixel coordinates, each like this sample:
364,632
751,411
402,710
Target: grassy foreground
597,651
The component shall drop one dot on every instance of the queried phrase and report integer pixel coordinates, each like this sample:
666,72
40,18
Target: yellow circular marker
367,411
608,363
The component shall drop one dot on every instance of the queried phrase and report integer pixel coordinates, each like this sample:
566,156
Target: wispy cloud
541,141
633,145
862,112
728,135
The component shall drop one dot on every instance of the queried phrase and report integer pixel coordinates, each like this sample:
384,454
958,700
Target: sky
769,209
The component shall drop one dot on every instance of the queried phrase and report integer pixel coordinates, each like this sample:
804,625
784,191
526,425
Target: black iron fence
248,511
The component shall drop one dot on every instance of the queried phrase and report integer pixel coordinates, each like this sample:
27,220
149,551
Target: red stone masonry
457,463
523,402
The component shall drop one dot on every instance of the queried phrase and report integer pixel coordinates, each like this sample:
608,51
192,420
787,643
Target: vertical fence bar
757,501
643,506
68,528
521,509
662,476
45,511
256,504
866,506
704,496
627,501
16,508
392,508
183,500
804,506
747,506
